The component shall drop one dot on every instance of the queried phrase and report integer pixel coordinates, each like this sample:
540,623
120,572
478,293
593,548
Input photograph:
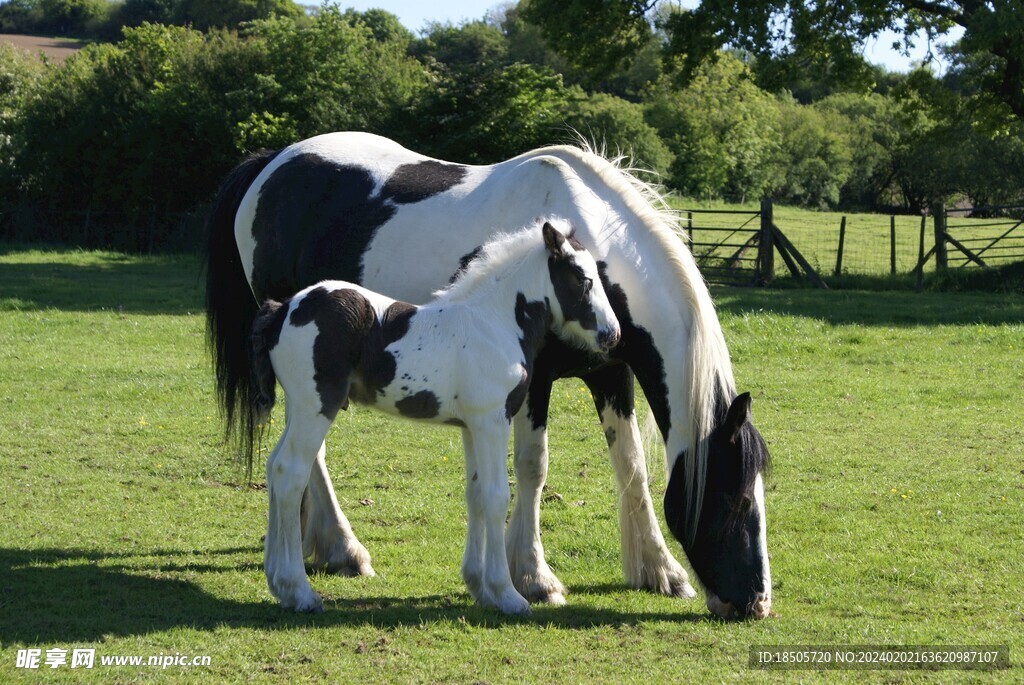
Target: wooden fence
738,247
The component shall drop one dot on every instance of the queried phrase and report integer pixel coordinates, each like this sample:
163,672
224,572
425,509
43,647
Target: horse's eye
587,285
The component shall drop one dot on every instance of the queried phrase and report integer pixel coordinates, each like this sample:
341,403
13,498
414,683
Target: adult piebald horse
362,208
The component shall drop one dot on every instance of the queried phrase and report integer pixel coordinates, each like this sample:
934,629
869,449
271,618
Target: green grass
896,500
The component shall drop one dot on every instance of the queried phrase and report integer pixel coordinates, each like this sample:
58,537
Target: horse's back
363,208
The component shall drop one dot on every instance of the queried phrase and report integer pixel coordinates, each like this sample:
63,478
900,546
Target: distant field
867,244
55,49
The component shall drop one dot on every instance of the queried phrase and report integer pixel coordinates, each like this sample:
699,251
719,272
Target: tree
619,126
823,32
722,129
206,14
486,115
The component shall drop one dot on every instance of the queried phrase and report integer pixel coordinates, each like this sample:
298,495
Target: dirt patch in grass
56,49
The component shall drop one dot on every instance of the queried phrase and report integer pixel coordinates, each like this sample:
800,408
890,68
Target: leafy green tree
206,14
722,129
814,160
488,115
829,33
869,124
473,45
618,126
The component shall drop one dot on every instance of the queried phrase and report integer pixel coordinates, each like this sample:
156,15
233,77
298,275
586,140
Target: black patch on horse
416,182
636,348
421,405
314,220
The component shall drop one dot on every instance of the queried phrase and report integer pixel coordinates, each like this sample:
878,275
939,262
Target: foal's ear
553,240
738,414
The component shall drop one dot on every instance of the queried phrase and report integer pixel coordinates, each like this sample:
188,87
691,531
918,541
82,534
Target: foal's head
580,307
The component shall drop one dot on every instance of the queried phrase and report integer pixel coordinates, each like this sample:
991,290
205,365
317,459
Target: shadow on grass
889,308
60,597
85,281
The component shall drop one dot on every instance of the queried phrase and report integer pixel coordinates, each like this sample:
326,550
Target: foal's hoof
313,605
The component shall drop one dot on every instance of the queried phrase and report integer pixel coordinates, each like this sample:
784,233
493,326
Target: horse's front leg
327,538
530,572
487,499
646,560
288,470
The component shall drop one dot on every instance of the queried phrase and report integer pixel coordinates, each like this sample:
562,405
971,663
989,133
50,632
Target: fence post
920,257
689,229
892,245
766,244
941,256
839,252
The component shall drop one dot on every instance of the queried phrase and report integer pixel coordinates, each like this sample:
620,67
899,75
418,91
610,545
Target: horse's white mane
708,366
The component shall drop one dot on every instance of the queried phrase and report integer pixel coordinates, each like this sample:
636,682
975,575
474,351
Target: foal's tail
261,391
230,305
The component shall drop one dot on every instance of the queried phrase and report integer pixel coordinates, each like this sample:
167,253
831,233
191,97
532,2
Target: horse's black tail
266,329
230,305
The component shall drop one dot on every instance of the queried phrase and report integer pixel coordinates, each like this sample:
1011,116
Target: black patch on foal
347,328
421,405
316,218
464,262
571,290
532,319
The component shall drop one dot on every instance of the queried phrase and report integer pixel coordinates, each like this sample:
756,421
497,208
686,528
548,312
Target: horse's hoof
350,569
314,605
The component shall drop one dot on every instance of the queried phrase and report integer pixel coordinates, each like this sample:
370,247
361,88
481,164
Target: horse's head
728,550
580,307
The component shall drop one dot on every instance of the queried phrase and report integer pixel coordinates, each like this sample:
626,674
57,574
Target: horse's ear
738,414
553,240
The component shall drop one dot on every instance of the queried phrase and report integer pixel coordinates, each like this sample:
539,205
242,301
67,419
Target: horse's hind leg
646,560
288,470
531,575
327,538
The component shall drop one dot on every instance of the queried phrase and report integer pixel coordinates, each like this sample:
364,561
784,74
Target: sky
417,14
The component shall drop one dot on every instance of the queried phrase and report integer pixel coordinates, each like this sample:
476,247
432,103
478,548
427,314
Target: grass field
895,503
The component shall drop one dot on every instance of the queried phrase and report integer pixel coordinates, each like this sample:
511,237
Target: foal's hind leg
327,538
487,501
646,560
288,470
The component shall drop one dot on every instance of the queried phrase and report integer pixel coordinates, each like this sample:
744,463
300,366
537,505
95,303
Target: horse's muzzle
608,339
759,608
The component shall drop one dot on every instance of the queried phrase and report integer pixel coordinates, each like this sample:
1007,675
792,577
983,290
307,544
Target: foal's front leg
327,537
530,572
487,498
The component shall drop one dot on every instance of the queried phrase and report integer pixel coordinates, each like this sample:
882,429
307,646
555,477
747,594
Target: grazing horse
362,208
462,359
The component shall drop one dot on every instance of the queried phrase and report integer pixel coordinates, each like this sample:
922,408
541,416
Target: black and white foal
463,359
